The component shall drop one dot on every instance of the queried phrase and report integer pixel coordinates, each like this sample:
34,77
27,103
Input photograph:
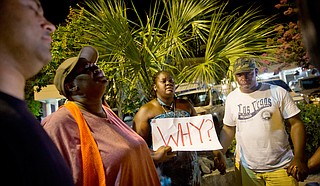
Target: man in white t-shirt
256,113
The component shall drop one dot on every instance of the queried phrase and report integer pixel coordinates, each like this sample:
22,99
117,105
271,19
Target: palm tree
133,50
230,37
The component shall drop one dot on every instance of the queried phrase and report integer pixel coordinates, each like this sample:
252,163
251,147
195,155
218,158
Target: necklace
166,107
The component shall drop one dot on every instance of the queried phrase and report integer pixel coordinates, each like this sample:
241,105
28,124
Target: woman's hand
206,165
163,154
220,162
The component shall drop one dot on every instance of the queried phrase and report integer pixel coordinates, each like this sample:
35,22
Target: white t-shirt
262,141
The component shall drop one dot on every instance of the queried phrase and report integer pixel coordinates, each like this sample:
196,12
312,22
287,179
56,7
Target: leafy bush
310,115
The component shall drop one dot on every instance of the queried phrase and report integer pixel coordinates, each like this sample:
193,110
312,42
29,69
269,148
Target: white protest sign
195,133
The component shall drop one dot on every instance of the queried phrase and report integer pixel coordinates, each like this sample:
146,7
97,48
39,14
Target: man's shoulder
9,104
13,109
234,92
6,108
270,85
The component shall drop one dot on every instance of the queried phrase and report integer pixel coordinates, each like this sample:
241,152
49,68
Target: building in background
50,98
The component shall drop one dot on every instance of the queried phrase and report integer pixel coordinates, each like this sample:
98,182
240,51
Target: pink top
125,155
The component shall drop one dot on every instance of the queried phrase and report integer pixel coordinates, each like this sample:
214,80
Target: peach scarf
93,171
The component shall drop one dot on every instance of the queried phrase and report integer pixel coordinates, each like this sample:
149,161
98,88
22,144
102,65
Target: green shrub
310,115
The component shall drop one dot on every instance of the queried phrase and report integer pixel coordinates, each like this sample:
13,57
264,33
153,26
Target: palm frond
231,36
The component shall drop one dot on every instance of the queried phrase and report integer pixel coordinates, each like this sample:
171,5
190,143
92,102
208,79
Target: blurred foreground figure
28,155
309,16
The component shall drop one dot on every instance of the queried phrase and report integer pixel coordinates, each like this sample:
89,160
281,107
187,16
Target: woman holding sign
175,168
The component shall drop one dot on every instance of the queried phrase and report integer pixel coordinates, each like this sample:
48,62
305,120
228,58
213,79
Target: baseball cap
244,64
88,52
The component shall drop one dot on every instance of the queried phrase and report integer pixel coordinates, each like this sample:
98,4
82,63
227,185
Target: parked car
206,100
297,97
309,86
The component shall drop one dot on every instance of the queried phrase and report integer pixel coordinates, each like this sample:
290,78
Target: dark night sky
56,11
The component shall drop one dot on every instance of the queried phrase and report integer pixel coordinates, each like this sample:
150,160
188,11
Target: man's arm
314,162
298,167
226,136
